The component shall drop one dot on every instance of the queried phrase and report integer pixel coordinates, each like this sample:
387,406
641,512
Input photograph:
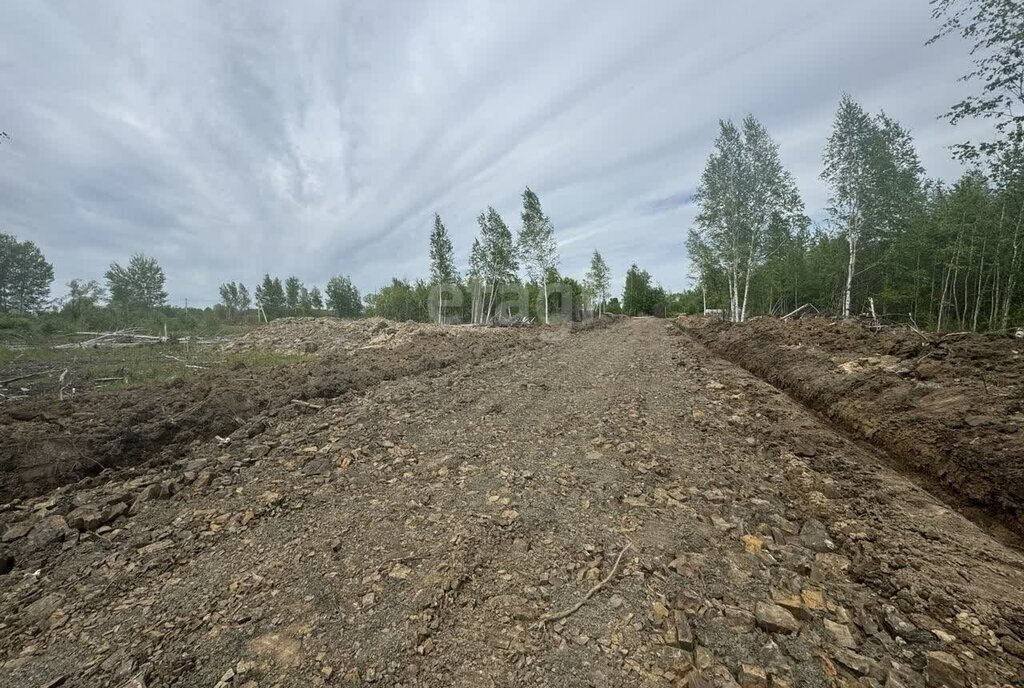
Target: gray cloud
315,138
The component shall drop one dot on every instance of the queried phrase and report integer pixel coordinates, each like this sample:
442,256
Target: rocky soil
950,407
618,507
44,444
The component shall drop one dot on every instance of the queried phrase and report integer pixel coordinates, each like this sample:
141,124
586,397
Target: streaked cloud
315,137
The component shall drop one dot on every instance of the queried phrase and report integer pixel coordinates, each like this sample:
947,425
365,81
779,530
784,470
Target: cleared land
416,512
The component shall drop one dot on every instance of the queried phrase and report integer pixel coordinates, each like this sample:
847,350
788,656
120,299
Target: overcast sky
317,138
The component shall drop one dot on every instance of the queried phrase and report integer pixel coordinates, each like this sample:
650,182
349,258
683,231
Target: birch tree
536,245
849,170
442,262
496,256
743,192
995,30
598,279
874,177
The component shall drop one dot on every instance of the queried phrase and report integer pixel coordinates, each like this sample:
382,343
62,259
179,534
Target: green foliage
442,259
343,297
536,247
597,280
749,206
235,298
293,293
874,176
25,276
401,300
995,30
270,297
316,300
139,286
640,296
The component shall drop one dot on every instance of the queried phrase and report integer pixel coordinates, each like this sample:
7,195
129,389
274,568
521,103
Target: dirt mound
48,443
335,336
951,407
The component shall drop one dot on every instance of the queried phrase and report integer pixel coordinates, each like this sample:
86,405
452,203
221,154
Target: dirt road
417,534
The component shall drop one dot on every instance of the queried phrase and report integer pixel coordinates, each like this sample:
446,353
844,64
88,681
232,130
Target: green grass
89,369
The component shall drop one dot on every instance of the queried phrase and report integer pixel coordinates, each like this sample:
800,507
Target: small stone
150,492
368,600
840,633
943,636
752,677
683,632
943,670
16,532
858,664
87,517
829,567
616,601
775,619
717,676
752,543
794,604
814,536
813,599
896,624
203,479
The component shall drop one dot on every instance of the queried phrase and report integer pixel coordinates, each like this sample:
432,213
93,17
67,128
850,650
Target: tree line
894,243
891,241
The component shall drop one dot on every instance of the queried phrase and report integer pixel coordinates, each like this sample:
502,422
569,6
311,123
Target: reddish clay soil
948,408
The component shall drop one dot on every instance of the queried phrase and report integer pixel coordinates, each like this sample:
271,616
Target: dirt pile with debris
419,534
950,406
333,336
44,443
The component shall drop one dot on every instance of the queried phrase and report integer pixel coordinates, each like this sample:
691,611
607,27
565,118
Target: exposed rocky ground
44,443
424,530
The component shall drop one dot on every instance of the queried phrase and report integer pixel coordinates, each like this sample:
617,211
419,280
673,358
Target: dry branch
183,362
315,407
548,618
794,312
4,383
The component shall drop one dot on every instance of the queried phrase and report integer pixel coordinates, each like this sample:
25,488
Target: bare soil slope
420,532
951,407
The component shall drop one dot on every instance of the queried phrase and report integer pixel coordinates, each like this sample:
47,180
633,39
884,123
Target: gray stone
814,536
16,532
87,517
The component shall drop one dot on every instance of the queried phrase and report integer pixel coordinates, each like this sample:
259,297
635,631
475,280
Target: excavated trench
944,412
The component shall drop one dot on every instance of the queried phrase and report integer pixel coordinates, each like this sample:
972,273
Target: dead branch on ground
548,618
4,383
